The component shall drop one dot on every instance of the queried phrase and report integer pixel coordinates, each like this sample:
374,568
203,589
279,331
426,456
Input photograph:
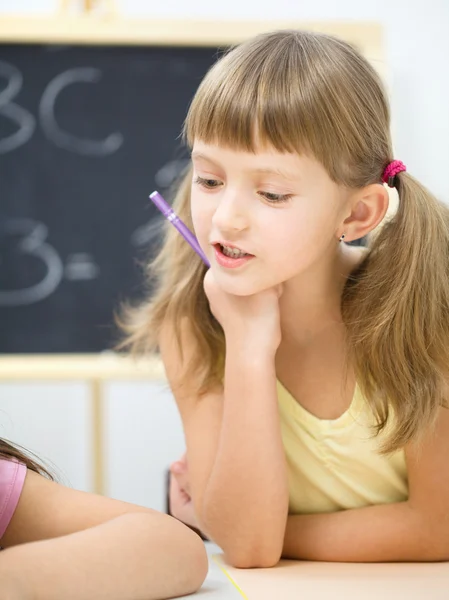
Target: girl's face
283,209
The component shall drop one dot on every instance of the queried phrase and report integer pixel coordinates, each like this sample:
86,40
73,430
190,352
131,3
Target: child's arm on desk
415,530
62,543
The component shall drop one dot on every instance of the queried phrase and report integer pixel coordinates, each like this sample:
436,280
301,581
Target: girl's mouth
231,258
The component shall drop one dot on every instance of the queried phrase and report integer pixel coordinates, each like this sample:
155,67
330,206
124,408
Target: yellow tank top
335,464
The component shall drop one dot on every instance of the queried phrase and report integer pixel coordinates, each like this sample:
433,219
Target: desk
297,580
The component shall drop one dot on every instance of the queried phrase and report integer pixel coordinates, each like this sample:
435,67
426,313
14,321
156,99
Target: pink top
12,477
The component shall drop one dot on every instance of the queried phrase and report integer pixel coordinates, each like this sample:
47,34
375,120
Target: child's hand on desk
180,500
181,505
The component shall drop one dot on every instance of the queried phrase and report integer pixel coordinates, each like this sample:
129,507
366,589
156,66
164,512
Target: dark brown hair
10,451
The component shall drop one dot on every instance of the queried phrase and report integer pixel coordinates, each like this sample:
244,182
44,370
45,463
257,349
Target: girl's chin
241,286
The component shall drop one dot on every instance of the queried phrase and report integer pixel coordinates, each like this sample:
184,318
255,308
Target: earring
342,237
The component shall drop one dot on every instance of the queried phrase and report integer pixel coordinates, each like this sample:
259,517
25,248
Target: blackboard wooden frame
366,35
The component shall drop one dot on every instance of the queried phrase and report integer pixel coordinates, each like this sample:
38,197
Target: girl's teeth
232,252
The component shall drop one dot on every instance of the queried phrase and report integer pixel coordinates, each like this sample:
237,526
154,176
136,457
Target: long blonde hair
312,93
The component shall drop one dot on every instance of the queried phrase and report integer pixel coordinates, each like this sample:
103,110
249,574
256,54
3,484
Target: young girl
311,375
61,543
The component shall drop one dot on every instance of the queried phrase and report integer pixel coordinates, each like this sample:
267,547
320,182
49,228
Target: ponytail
396,307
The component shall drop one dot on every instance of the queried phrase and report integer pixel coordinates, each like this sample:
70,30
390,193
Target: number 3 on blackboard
27,123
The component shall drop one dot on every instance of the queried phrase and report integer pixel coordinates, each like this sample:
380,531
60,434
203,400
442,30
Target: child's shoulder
177,345
186,372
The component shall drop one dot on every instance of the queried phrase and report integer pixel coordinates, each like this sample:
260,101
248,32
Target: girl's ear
366,208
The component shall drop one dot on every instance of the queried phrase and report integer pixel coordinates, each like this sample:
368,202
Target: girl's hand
181,505
253,322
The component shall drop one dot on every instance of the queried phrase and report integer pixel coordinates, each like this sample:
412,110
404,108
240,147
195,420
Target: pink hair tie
391,170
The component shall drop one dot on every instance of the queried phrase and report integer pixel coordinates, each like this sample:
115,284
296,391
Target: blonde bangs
245,103
300,92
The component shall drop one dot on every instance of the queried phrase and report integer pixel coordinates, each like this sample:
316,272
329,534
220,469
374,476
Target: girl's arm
235,456
62,543
415,530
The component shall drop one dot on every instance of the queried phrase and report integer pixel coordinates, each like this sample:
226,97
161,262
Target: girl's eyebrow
274,171
200,155
265,170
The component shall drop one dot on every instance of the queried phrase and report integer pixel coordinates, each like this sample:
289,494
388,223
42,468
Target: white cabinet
143,435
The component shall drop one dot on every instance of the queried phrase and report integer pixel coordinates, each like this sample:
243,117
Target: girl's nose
230,214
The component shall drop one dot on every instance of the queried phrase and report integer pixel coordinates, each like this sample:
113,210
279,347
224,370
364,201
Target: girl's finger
182,481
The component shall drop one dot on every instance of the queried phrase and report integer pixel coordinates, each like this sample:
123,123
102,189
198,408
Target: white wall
143,429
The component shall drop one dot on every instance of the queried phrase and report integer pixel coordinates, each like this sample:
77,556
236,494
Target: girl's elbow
441,552
241,558
253,551
436,546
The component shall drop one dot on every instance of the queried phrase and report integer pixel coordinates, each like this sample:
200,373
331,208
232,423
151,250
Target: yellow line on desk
229,577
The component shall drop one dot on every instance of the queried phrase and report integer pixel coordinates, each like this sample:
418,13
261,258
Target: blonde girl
311,375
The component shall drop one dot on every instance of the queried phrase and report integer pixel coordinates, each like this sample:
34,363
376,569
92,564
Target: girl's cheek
196,217
201,225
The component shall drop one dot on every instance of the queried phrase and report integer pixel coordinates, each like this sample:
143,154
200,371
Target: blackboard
86,134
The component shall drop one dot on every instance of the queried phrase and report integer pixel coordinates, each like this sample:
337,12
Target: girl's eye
206,183
275,198
211,184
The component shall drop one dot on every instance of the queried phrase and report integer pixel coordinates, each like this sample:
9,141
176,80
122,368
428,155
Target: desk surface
291,580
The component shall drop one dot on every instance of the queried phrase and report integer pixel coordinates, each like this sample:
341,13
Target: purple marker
170,214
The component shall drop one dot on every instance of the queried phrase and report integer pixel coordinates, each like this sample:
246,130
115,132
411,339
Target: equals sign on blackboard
81,266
